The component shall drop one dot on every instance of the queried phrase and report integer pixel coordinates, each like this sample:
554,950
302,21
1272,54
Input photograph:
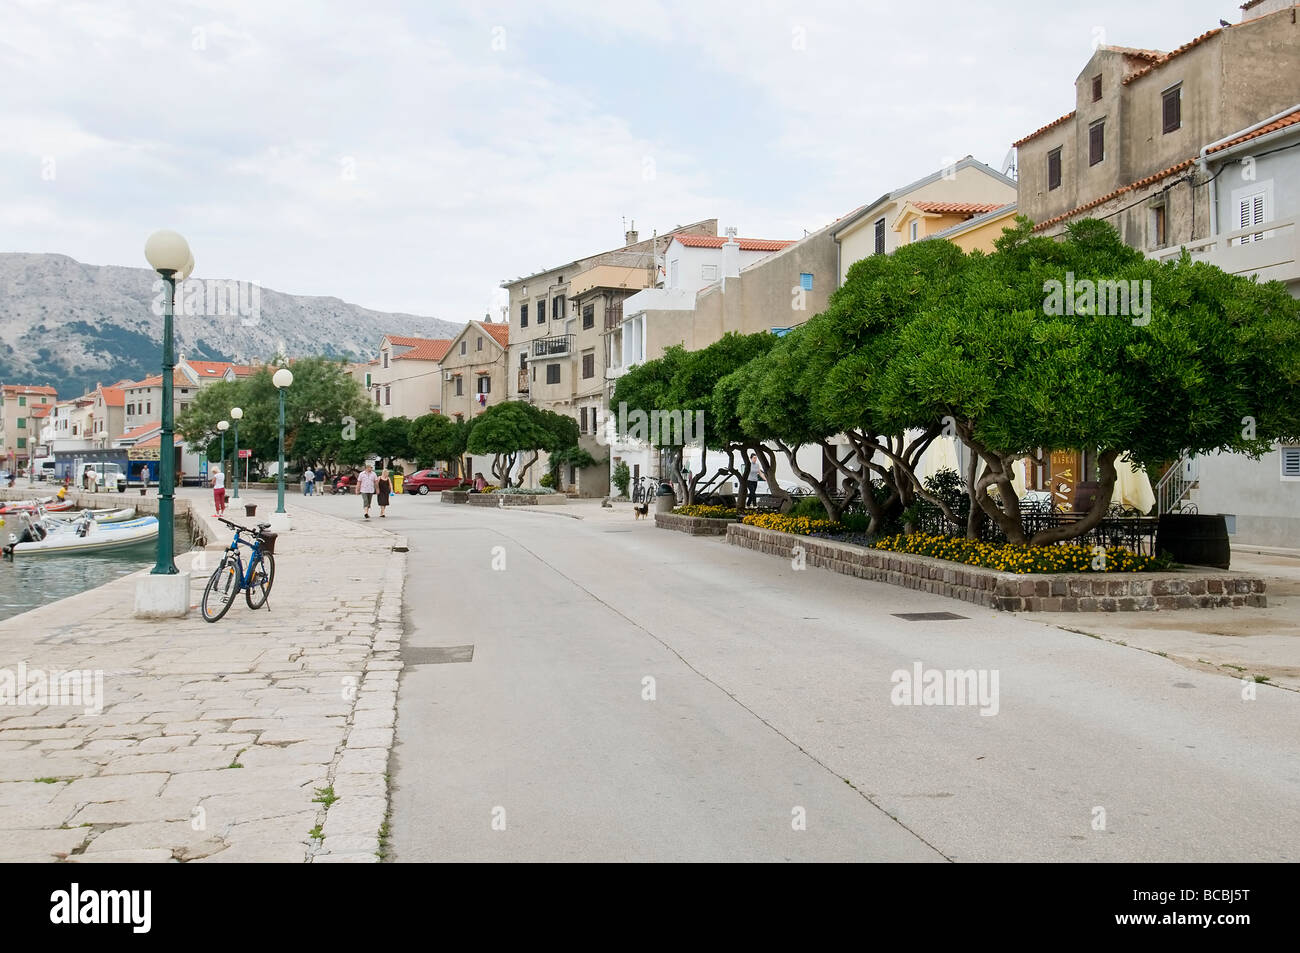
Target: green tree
505,431
435,439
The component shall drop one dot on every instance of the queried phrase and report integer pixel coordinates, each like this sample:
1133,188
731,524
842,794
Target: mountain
71,325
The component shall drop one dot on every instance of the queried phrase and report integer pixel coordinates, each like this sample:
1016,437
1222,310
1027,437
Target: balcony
523,380
557,345
1270,250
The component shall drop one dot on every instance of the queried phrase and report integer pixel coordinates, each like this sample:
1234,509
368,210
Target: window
388,395
588,316
130,410
1096,142
523,315
376,395
582,420
589,365
541,310
915,229
1096,88
1290,463
463,346
1054,169
880,236
460,392
22,423
484,384
479,346
673,271
1252,209
22,443
385,359
557,307
805,281
1157,227
523,360
709,273
367,381
1171,108
148,407
552,373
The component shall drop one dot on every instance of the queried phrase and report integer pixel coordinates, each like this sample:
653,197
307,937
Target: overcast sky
411,156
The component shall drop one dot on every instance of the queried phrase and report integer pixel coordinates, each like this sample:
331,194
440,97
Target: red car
423,481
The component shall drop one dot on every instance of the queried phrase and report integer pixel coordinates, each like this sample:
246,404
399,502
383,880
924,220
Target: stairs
1179,487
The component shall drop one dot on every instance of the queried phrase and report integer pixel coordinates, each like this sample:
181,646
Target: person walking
144,476
309,482
366,487
219,490
382,488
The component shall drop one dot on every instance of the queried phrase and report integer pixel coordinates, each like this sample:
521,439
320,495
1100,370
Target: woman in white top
219,490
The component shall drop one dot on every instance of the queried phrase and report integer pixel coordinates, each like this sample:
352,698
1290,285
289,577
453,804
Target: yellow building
976,231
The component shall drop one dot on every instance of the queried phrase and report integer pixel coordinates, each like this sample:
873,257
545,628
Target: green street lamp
282,379
223,426
236,414
169,255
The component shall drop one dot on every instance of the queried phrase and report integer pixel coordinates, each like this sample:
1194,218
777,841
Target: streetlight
170,256
223,426
282,379
236,414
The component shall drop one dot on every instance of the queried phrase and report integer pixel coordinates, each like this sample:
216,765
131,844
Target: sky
411,156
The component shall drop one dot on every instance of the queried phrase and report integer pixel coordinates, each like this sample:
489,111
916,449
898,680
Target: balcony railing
613,316
557,345
1269,249
523,380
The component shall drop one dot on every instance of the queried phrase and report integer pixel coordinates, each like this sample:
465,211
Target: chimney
731,255
630,236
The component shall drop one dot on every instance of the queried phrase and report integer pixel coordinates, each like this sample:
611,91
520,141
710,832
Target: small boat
119,515
26,506
40,537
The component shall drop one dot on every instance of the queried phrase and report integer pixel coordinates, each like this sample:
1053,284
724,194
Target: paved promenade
245,740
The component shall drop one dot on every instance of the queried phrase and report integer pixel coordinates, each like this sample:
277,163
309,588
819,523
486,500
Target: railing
613,316
557,345
1269,249
523,380
1171,491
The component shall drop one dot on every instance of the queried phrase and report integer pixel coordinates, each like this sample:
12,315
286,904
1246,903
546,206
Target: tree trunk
1100,504
833,510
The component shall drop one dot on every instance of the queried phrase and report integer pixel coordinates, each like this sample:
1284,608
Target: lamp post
223,426
170,256
282,379
236,414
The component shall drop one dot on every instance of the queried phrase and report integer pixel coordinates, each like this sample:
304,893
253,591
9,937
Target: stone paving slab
226,742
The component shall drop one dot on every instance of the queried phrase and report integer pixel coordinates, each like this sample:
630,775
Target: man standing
309,482
144,475
366,487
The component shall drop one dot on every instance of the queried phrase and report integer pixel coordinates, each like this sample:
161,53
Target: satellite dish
1009,164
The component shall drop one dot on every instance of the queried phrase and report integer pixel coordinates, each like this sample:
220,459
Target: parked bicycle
231,576
646,489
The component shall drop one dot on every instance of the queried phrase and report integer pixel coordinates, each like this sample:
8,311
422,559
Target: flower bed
706,512
1008,590
784,523
1006,557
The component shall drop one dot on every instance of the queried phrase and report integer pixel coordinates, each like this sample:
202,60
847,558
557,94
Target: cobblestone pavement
263,737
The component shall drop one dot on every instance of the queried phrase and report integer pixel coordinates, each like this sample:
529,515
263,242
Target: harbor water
31,581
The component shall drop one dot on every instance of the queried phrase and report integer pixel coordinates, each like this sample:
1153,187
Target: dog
642,509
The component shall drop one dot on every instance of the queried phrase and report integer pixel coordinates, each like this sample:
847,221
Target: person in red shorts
219,490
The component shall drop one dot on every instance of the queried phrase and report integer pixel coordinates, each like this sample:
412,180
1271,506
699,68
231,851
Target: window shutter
1173,109
1096,143
1291,463
1251,211
1054,169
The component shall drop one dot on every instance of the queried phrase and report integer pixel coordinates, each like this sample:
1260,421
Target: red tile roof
1042,129
957,208
16,390
156,440
501,332
39,410
112,396
1169,56
212,369
179,379
136,432
746,244
421,349
1290,119
244,370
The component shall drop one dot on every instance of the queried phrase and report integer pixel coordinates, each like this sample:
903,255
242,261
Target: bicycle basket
268,541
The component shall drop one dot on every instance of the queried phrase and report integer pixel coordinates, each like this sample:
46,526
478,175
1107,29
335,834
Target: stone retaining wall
514,499
455,496
1014,592
693,525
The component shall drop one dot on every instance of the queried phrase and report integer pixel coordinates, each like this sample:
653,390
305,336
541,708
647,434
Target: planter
693,525
250,509
455,496
1195,539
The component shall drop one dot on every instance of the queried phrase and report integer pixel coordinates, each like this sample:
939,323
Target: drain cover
438,654
927,616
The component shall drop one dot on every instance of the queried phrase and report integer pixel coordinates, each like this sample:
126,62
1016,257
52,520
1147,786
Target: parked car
425,481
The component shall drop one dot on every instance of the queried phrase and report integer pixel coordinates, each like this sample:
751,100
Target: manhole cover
438,654
927,616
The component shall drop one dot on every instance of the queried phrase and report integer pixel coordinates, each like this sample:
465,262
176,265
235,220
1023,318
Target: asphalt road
772,733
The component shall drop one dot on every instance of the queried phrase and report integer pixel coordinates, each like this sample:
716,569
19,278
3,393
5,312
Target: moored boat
119,515
40,537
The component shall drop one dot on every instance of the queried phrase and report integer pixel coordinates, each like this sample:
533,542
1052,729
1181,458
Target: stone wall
1013,592
693,525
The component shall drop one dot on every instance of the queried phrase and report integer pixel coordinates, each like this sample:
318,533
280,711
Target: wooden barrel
1197,539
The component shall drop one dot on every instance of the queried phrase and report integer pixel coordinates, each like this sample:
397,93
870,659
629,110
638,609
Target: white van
45,469
107,476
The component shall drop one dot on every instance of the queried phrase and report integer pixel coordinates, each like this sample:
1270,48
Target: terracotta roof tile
137,432
1169,56
113,396
957,208
1042,129
210,369
156,440
39,410
746,244
426,350
25,389
1290,119
501,332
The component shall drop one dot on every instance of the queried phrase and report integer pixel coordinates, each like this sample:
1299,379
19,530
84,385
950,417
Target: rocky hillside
70,325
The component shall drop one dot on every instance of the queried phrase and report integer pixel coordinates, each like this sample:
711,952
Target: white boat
119,515
39,538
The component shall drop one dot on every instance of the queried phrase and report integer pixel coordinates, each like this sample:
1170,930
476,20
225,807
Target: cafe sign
142,453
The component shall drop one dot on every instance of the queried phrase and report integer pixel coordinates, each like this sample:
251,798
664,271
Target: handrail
1172,487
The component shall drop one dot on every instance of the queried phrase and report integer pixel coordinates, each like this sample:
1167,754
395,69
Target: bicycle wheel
221,590
261,578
